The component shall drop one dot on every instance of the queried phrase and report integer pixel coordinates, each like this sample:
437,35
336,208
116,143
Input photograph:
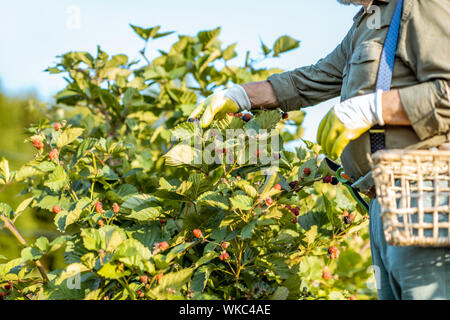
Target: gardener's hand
220,104
348,120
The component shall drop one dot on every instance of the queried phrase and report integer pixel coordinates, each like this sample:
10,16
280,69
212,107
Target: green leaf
22,206
181,154
200,278
268,120
57,179
172,280
247,188
229,52
111,271
68,136
42,244
30,254
212,199
4,171
311,235
92,239
281,293
283,44
265,49
248,229
145,33
241,202
6,210
208,37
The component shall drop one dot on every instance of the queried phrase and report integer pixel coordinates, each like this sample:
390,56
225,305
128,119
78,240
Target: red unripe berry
277,186
116,207
326,274
327,179
307,171
231,114
53,154
257,153
8,286
162,221
57,126
38,144
198,233
99,207
2,295
225,245
288,206
159,276
164,245
140,293
143,279
269,201
56,209
224,256
101,222
295,220
334,252
345,213
352,297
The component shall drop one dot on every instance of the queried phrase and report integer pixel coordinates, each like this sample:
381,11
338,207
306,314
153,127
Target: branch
8,225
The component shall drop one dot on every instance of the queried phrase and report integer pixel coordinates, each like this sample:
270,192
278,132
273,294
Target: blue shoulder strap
385,71
390,48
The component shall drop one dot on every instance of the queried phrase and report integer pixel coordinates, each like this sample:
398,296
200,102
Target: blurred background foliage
16,114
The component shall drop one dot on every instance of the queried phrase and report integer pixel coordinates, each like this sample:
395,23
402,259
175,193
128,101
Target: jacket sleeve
424,45
310,85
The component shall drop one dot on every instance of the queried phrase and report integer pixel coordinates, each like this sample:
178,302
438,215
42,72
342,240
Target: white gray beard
348,2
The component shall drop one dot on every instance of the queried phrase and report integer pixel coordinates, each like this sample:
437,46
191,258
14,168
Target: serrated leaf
241,202
57,179
68,136
212,199
248,188
268,120
181,154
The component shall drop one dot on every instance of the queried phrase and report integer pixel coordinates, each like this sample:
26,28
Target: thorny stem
10,226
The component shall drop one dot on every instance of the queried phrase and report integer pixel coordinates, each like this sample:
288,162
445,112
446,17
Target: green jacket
421,73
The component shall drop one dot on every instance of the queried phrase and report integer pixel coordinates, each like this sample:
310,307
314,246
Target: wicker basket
413,189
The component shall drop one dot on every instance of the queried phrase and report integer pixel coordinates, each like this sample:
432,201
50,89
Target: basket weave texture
413,189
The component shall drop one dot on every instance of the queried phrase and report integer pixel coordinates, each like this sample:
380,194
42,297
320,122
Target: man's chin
348,2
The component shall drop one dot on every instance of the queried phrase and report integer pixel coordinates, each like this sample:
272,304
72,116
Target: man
416,108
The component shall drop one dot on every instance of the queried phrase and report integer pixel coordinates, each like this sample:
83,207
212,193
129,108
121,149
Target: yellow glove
219,104
347,121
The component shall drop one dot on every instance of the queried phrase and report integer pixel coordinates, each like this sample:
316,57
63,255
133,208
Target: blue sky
34,32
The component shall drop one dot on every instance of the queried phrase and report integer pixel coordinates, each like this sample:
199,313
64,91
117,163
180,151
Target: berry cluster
294,185
334,252
348,217
295,211
329,179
